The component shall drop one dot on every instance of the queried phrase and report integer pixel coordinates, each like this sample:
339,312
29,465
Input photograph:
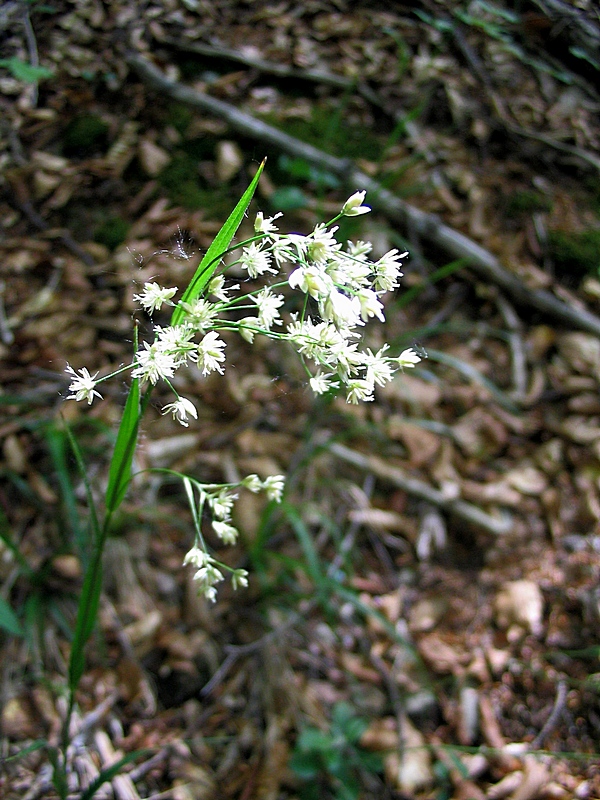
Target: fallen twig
396,476
427,226
271,67
235,651
517,348
554,718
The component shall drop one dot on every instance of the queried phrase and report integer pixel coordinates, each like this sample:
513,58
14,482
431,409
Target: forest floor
423,614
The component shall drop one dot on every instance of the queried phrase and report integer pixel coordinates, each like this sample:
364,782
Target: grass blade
92,583
311,555
119,473
56,444
88,490
38,744
221,242
87,611
110,772
9,620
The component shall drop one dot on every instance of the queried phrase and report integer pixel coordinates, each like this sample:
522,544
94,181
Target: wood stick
396,476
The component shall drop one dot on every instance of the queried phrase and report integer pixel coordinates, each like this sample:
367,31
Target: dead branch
559,706
460,508
272,67
337,81
517,348
427,226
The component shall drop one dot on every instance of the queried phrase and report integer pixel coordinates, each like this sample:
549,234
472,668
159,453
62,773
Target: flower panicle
344,290
341,290
220,501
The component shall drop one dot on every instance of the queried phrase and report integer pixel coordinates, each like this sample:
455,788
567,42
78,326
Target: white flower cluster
220,501
342,289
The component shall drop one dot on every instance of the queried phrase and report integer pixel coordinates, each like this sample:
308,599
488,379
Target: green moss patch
575,254
85,135
112,232
184,186
526,202
329,131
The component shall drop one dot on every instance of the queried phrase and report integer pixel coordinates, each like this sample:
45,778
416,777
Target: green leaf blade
87,611
9,620
213,255
23,71
119,474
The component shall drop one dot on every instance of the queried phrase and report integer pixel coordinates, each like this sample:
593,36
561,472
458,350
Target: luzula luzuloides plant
342,290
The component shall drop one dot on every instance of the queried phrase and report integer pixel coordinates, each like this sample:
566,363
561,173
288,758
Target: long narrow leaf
83,554
311,555
87,611
87,608
9,620
38,744
56,445
119,473
110,772
221,242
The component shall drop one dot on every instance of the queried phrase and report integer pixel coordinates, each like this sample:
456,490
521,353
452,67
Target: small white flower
370,305
353,208
379,367
289,248
210,593
217,288
256,261
359,249
180,410
200,313
343,311
248,327
345,270
311,280
253,483
320,383
239,577
268,307
222,504
176,340
274,486
210,353
82,387
226,532
154,363
348,361
262,225
408,358
197,558
359,390
322,244
208,574
387,271
154,296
